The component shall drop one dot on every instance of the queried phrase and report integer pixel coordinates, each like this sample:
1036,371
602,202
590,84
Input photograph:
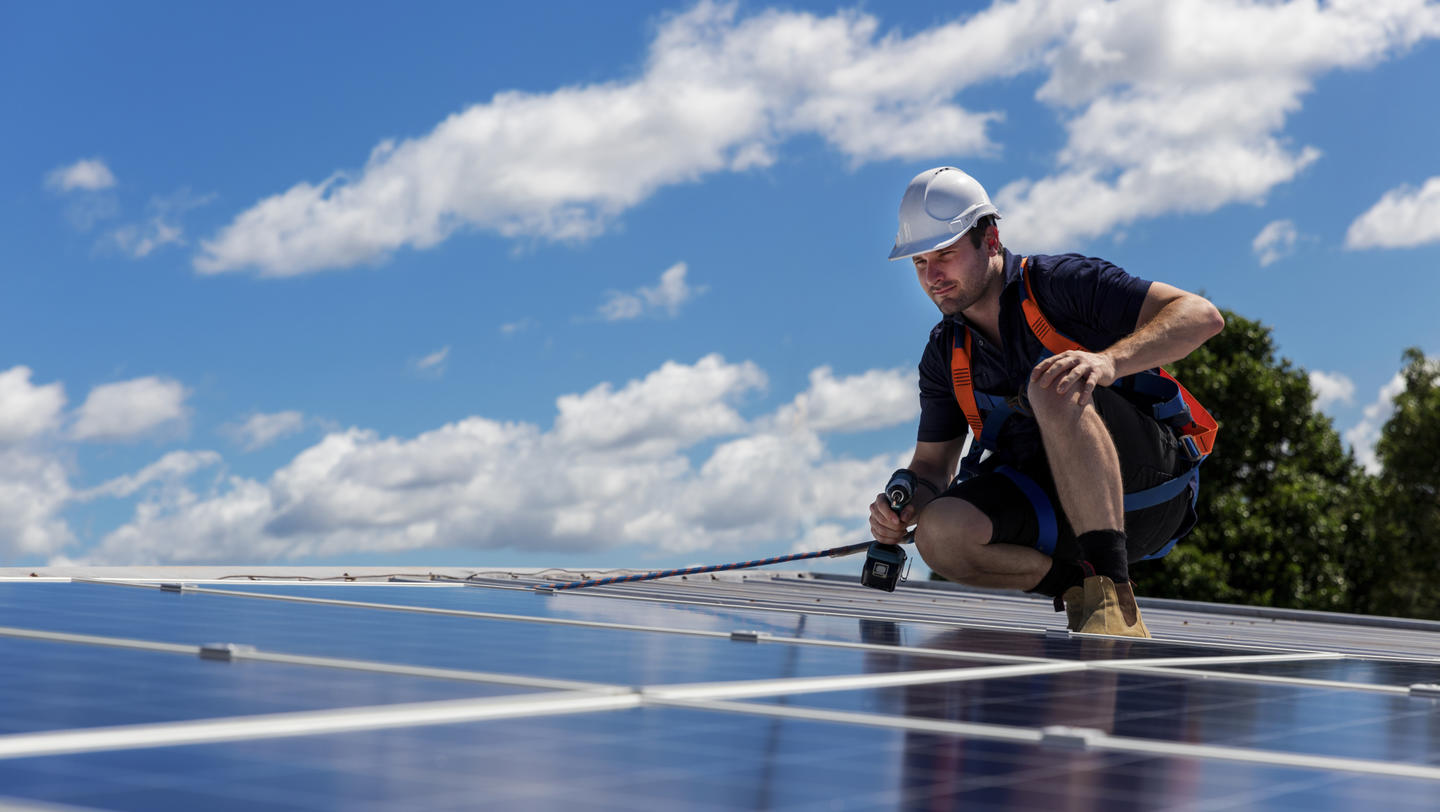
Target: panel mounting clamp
224,651
1070,738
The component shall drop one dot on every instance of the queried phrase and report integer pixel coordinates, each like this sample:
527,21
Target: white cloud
34,483
1168,107
667,296
140,240
1363,436
511,328
160,228
86,185
34,487
871,400
1275,241
36,462
1403,218
89,175
616,469
129,409
830,534
1330,388
434,363
260,430
622,306
673,406
27,410
171,468
1180,105
717,94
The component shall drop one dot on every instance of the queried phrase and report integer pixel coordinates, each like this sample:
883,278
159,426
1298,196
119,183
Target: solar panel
767,691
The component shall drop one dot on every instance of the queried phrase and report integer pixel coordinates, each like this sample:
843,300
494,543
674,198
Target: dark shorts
1023,507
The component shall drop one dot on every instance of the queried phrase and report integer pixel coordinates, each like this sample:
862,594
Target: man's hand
885,525
1074,371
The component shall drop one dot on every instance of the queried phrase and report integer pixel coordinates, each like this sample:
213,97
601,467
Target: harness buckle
1191,450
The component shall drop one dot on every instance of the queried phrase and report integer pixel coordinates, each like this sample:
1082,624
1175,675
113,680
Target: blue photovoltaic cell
563,652
1316,721
54,686
663,759
1365,671
707,618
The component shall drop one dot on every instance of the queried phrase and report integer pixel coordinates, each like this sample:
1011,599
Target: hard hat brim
924,246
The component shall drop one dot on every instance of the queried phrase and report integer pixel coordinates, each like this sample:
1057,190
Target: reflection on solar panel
764,691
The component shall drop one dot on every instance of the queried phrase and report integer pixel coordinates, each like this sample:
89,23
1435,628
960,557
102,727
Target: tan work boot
1074,599
1110,609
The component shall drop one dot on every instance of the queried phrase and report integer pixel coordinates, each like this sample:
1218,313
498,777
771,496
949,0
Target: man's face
954,277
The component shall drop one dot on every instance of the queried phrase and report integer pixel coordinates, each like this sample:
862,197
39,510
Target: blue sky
555,285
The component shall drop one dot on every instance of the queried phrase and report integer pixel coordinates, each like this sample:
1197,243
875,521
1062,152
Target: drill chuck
901,489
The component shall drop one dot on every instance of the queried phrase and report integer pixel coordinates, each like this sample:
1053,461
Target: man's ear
992,240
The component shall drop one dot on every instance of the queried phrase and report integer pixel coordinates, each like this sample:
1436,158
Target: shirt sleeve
1089,299
941,418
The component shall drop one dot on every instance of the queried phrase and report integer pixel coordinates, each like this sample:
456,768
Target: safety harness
1171,405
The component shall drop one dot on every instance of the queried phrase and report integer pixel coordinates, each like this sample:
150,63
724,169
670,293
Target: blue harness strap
1048,526
1192,479
1163,492
1044,511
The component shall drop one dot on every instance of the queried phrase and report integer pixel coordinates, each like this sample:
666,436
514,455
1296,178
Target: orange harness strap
1202,428
1053,340
964,387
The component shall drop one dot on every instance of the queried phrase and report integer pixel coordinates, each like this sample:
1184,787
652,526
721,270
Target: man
1091,452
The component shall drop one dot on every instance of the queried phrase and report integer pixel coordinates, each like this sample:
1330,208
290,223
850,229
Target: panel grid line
1168,667
1071,737
370,666
310,723
977,656
1193,641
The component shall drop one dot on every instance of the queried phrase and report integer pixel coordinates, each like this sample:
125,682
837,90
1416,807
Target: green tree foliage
1401,576
1281,508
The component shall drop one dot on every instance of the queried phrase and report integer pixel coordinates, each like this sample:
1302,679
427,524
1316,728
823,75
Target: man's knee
947,535
1051,407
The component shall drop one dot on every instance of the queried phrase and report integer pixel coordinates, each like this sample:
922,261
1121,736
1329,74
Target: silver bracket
224,651
1428,690
1069,738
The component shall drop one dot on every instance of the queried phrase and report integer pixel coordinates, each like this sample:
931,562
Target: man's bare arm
1172,324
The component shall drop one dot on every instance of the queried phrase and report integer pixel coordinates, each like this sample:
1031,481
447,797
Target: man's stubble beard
953,304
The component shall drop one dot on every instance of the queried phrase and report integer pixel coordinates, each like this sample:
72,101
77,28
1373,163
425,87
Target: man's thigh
1024,507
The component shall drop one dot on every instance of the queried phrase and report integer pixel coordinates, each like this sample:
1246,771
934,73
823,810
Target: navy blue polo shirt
1086,299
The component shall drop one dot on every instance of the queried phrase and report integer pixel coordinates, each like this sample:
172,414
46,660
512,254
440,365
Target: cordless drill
885,562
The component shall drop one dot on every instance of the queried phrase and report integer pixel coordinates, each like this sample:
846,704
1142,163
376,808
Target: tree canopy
1279,501
1287,516
1408,499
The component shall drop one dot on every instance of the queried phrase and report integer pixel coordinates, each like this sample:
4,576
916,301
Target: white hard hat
939,206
